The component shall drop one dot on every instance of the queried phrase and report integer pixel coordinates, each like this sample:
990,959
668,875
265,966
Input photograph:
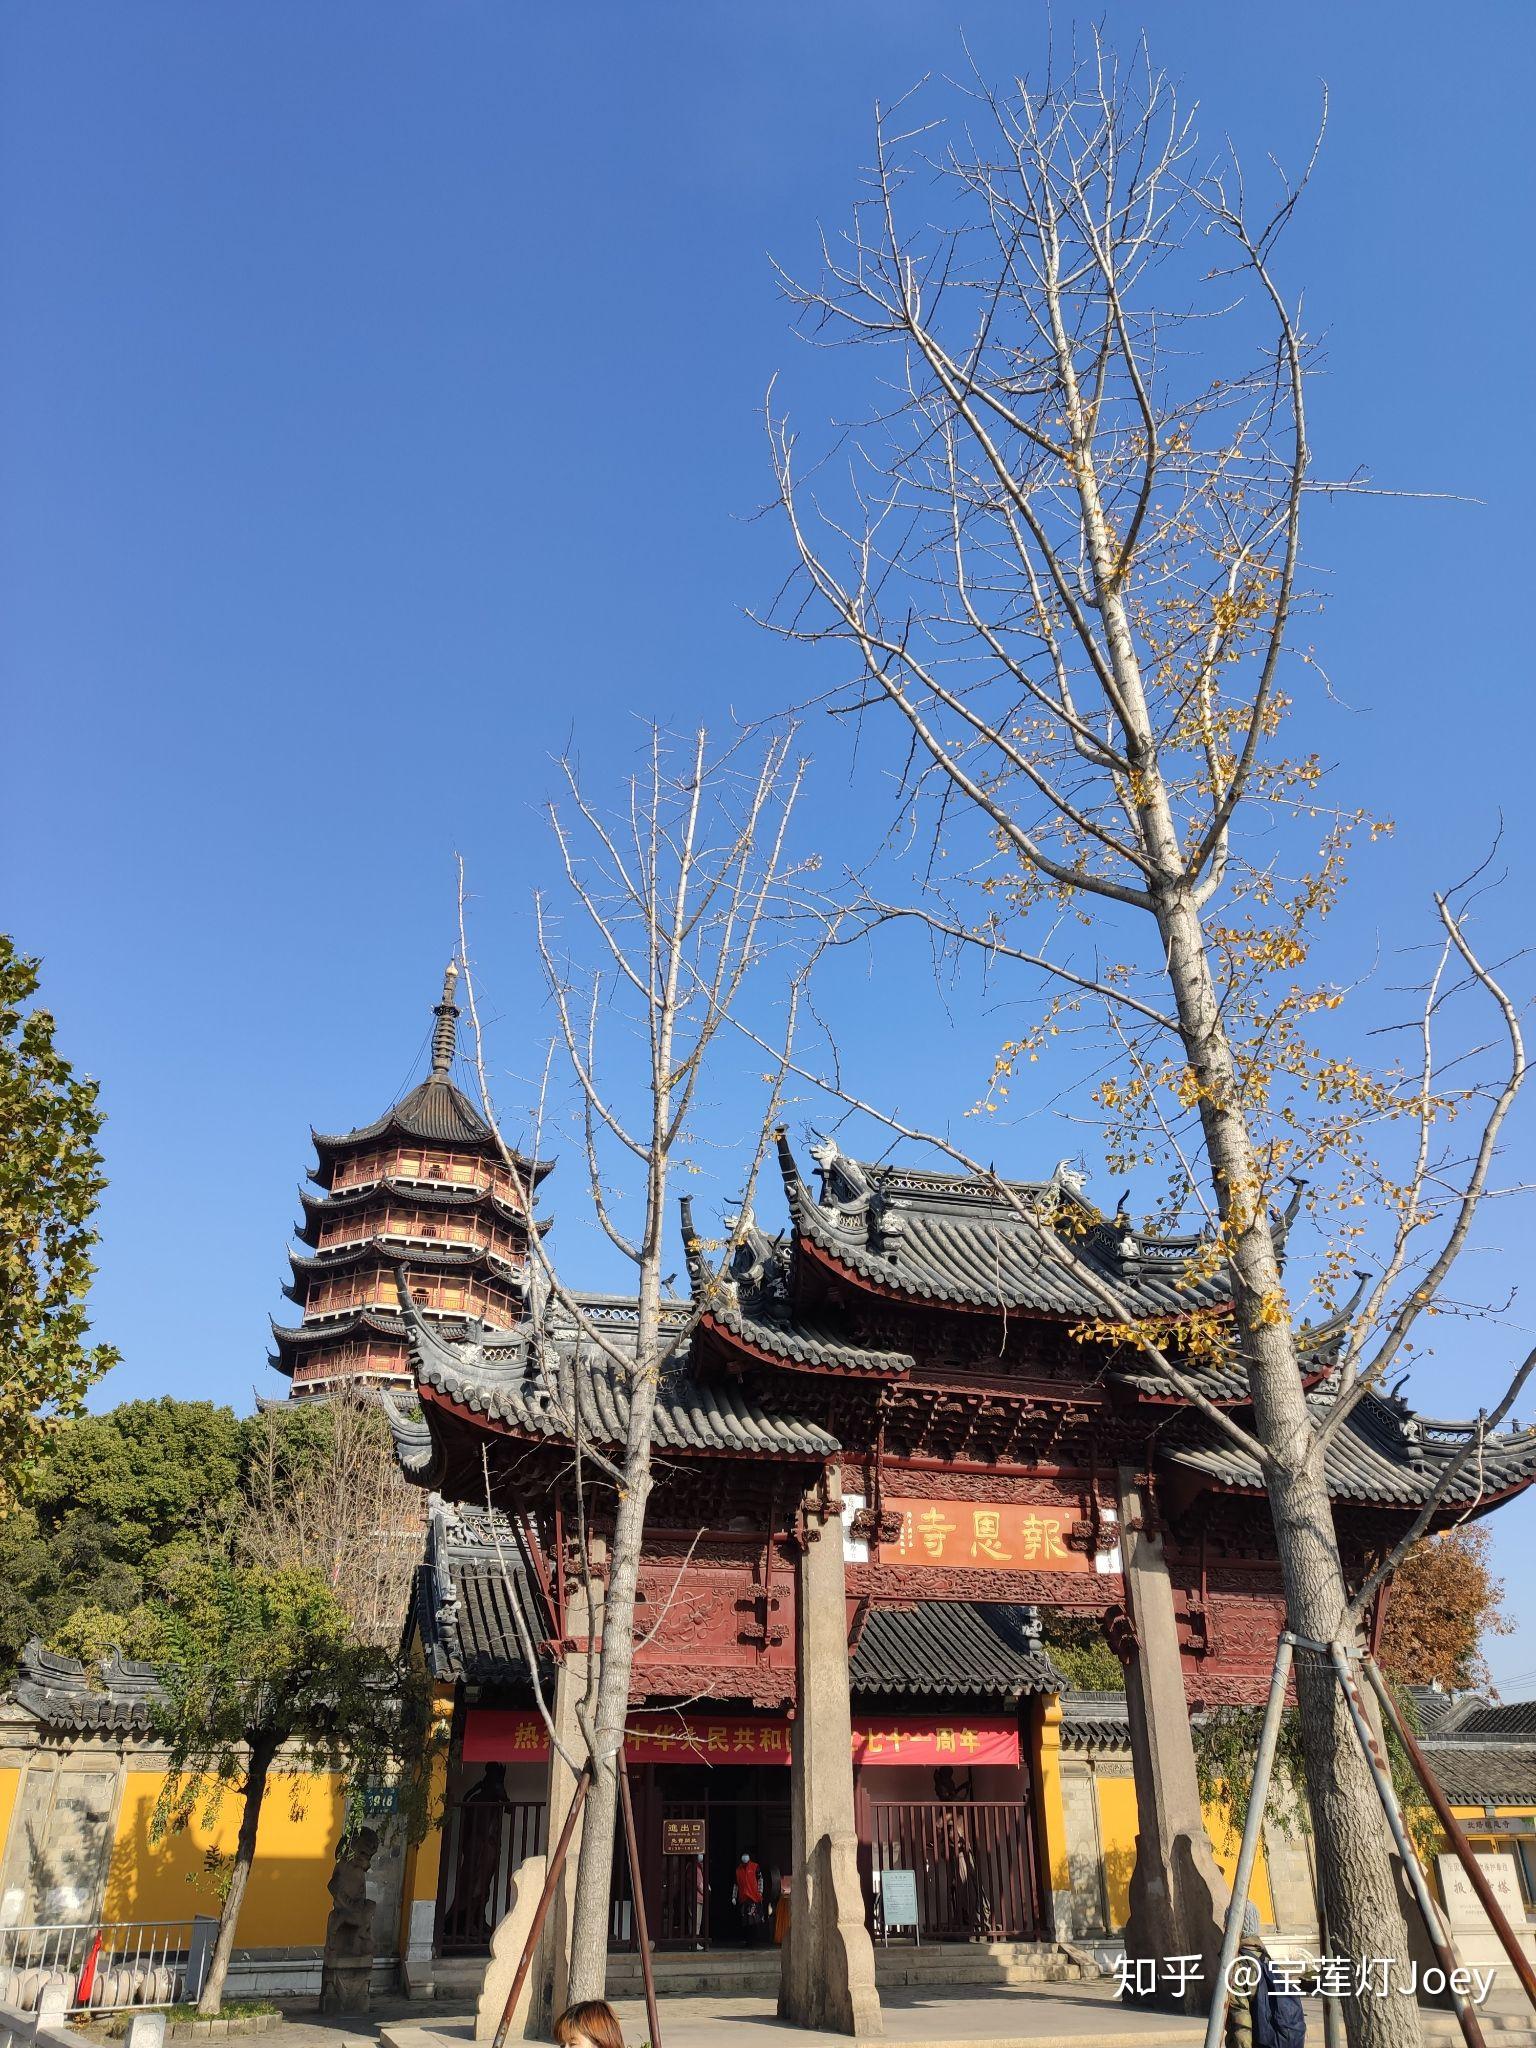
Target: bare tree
1066,558
324,1492
668,908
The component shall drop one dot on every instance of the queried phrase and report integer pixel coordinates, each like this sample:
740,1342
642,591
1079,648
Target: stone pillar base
507,1945
1183,1916
1178,1895
832,1985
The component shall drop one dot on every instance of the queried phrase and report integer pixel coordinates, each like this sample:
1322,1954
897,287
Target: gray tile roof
325,1206
1094,1720
293,1339
1483,1773
434,1113
375,1251
470,1588
59,1692
952,1239
301,1336
1385,1453
506,1382
1439,1711
413,1439
1517,1718
949,1650
1319,1344
804,1343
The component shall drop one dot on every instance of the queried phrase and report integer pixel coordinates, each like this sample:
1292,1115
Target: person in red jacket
747,1894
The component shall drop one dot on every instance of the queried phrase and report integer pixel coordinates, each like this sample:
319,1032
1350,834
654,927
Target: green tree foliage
1226,1748
114,1498
1081,1653
263,1567
51,1180
257,1662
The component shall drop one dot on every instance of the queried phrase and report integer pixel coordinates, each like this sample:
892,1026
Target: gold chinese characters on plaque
682,1838
983,1536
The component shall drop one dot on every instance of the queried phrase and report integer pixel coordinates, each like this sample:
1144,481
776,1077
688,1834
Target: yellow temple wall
286,1903
10,1785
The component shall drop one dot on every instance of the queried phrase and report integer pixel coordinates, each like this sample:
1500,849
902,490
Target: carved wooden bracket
1202,1636
875,1527
1092,1535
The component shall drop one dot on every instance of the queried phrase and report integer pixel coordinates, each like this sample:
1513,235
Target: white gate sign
898,1899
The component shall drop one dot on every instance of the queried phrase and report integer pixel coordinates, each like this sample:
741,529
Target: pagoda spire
445,1034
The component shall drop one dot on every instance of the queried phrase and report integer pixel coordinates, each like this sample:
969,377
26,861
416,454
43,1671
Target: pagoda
428,1188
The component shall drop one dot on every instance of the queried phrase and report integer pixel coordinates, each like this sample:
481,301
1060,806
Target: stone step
755,1972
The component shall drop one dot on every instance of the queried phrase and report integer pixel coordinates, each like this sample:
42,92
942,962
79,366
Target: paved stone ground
305,2027
1031,2016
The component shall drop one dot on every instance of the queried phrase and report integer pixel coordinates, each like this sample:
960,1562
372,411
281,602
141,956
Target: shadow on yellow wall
1226,1841
1117,1835
286,1902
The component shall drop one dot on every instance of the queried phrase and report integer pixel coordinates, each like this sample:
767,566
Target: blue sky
380,395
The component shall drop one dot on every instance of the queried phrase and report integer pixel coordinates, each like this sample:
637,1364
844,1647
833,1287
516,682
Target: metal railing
971,1860
486,1843
103,1967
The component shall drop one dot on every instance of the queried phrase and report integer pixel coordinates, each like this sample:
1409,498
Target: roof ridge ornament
832,1166
445,1032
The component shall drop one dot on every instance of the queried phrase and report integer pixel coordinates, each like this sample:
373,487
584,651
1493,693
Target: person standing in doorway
747,1896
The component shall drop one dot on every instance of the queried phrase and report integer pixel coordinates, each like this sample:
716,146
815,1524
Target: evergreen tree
51,1180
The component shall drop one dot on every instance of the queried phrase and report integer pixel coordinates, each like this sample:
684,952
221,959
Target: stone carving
844,1183
757,1263
349,1938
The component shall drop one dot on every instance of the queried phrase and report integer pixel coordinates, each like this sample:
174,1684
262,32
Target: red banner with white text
506,1735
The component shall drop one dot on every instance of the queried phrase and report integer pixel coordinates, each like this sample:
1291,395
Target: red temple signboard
935,1739
985,1536
500,1735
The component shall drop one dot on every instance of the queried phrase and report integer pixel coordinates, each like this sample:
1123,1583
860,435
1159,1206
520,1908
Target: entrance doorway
694,1823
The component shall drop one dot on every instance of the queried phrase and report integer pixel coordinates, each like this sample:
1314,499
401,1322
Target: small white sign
898,1898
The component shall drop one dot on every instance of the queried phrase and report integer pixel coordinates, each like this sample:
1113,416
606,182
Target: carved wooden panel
1027,1488
890,1584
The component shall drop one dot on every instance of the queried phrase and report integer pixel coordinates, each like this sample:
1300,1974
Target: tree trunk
1354,1850
211,1996
594,1869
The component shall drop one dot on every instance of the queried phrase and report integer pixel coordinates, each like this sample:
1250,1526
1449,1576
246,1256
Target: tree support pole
637,1894
546,1899
1455,1834
1253,1822
1380,1772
